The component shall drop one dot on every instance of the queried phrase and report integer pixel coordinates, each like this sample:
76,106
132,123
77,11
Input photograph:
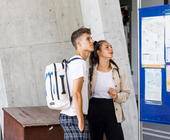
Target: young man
73,120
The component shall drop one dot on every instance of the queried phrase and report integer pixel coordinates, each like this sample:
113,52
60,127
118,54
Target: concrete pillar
104,18
134,44
33,33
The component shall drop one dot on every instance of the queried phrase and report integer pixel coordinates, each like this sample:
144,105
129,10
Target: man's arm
77,100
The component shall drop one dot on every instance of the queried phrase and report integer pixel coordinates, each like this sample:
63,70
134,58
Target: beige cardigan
121,86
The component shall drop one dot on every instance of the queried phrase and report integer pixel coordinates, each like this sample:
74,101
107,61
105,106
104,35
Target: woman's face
105,50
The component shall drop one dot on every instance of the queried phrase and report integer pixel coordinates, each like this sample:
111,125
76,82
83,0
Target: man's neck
84,54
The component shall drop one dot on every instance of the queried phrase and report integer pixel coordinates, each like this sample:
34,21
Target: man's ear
78,42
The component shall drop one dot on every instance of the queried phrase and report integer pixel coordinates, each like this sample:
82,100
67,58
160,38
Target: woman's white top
104,81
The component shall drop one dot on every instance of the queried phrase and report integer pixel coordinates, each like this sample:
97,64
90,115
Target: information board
154,63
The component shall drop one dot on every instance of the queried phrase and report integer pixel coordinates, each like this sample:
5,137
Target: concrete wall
3,97
33,33
134,45
36,33
106,23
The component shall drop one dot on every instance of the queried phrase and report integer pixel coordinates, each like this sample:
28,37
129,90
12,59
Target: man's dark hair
76,34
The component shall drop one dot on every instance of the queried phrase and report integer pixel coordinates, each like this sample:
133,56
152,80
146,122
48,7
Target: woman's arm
124,92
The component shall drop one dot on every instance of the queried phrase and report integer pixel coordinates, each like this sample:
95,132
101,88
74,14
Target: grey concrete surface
32,35
36,33
3,97
155,131
134,44
107,24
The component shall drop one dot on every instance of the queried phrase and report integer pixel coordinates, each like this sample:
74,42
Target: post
140,137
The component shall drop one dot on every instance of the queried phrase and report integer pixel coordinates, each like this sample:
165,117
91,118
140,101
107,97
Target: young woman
109,89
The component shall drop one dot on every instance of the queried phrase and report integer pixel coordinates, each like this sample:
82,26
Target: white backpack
56,83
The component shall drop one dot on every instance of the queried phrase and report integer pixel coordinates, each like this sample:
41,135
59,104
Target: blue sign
152,111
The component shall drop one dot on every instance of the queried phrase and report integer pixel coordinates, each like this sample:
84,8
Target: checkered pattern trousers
71,130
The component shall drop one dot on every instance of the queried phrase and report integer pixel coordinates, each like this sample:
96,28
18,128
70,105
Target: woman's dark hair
94,58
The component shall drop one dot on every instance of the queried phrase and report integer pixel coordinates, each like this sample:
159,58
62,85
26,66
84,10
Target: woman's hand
112,92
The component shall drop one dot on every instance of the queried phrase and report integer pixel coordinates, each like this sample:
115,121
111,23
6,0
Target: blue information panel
157,110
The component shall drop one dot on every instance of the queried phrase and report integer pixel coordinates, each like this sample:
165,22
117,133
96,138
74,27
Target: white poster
168,78
153,85
153,41
167,54
167,30
167,37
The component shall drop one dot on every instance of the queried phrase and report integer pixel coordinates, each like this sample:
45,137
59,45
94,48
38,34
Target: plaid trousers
71,130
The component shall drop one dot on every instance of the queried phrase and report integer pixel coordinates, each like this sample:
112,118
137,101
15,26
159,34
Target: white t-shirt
76,69
104,81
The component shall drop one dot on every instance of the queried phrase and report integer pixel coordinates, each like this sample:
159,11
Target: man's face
85,42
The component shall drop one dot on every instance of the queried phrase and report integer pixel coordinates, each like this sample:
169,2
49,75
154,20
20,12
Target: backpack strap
73,59
55,69
66,62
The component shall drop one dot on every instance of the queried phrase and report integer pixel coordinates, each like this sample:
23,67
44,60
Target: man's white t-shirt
76,69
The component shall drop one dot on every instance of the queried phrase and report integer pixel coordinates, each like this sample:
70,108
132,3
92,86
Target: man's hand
81,123
112,92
